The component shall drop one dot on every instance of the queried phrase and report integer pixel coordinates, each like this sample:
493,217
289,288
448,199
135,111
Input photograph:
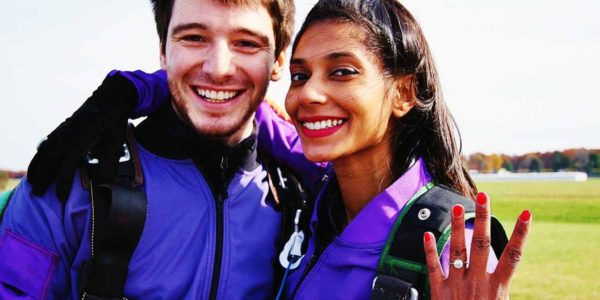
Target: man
210,230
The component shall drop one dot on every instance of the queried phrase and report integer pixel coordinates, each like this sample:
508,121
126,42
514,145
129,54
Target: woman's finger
480,244
458,250
436,277
511,256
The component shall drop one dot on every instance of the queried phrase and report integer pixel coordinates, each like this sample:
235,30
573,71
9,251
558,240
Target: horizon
519,77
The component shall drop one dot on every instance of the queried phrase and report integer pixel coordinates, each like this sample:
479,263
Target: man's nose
219,63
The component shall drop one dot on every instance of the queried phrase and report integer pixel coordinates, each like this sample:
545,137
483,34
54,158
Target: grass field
561,257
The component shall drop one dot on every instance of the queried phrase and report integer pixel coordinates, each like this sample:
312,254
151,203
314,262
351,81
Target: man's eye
247,44
192,38
344,72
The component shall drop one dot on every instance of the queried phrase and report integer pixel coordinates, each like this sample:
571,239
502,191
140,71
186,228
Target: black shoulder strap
403,265
295,203
118,216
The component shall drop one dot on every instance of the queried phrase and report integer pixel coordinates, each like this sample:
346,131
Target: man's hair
281,11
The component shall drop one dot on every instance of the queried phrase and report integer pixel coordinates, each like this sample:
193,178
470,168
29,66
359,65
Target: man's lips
216,96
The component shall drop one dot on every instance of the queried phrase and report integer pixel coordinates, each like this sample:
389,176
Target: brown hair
281,11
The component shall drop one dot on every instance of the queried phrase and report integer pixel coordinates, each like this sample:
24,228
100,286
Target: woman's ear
277,71
404,96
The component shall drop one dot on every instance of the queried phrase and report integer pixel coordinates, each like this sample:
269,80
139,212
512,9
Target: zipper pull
224,162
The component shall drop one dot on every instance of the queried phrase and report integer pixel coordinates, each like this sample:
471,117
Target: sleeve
279,138
153,89
445,257
38,245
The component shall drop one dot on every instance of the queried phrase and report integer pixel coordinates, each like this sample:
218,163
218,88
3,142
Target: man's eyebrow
186,26
262,38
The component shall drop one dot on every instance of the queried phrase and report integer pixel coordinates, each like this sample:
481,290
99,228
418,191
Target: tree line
583,160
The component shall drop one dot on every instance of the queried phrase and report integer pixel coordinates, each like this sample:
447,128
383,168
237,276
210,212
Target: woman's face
337,98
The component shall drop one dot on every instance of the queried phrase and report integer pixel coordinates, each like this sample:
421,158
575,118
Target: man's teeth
215,96
322,124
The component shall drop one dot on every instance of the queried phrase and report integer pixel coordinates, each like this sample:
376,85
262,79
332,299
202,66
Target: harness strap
118,215
404,259
290,196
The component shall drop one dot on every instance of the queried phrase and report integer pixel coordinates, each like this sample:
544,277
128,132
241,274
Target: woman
365,95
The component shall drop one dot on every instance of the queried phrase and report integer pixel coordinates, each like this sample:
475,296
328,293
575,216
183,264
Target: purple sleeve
279,139
152,88
39,241
445,258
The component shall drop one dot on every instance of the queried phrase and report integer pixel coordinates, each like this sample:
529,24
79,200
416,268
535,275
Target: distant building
541,176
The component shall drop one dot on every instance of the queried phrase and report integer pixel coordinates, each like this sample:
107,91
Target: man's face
219,60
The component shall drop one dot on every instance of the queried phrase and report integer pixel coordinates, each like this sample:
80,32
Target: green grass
567,202
11,184
561,256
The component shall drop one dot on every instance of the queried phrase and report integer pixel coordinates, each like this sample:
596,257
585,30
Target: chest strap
118,214
402,271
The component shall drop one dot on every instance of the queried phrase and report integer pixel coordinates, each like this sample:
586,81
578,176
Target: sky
518,76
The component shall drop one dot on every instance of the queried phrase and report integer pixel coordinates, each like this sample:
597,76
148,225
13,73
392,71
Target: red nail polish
457,211
481,199
525,216
427,237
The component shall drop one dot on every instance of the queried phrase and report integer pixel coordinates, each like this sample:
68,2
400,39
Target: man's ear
163,58
277,71
404,96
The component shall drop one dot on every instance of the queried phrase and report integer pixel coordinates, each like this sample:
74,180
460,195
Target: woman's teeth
323,124
216,96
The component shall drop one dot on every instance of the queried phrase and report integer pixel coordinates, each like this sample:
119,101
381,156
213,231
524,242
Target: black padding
120,214
408,241
390,288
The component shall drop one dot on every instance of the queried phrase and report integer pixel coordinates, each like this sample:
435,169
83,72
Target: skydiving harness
402,272
119,209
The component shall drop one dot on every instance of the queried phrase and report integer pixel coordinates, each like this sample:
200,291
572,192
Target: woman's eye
344,72
299,76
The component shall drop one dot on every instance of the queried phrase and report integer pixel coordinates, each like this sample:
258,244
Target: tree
536,164
593,162
3,180
495,162
559,161
508,166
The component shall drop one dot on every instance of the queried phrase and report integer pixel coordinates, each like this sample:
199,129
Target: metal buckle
125,157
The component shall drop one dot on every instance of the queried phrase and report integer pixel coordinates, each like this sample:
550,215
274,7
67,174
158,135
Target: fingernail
457,211
481,200
525,216
427,236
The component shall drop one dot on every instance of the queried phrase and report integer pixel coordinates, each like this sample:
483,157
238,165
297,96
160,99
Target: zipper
311,263
220,194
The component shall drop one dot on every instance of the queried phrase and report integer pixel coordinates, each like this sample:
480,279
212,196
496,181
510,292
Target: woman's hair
428,130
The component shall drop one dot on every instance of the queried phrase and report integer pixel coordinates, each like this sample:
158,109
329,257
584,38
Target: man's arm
279,138
99,124
39,238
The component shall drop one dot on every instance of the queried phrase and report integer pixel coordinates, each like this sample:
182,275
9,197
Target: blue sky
518,76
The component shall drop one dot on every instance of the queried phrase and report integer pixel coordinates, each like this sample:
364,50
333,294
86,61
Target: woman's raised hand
471,280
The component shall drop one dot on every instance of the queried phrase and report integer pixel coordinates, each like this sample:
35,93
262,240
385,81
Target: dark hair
281,11
428,130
